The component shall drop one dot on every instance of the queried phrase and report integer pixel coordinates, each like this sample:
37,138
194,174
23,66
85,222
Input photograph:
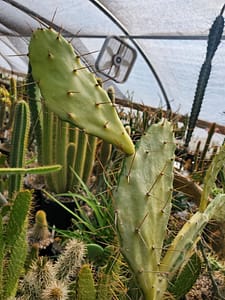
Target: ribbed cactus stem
214,39
15,266
80,155
71,156
48,143
105,153
60,143
2,114
21,127
89,157
13,89
73,133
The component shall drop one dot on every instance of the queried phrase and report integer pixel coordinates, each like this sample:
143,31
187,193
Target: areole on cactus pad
71,91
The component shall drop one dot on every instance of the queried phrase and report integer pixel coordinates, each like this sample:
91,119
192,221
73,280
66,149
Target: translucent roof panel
159,17
169,36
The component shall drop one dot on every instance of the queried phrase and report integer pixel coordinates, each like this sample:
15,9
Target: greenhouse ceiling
170,38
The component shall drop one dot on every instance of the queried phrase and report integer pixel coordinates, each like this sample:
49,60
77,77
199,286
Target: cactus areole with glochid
71,91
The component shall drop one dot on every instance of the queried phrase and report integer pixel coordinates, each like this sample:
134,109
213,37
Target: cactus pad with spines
143,203
71,91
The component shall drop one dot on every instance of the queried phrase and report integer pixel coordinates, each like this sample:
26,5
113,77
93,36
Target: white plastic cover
172,35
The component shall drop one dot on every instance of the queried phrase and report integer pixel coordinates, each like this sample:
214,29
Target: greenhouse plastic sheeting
170,38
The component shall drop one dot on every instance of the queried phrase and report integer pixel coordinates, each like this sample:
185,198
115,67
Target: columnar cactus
21,127
214,39
13,244
40,236
71,91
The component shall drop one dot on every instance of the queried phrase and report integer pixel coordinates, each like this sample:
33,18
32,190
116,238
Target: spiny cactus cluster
71,276
48,280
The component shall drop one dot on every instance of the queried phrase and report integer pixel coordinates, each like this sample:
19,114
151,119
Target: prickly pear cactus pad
143,204
71,91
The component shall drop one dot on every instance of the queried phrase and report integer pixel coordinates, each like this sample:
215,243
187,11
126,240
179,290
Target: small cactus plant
39,234
71,260
57,290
